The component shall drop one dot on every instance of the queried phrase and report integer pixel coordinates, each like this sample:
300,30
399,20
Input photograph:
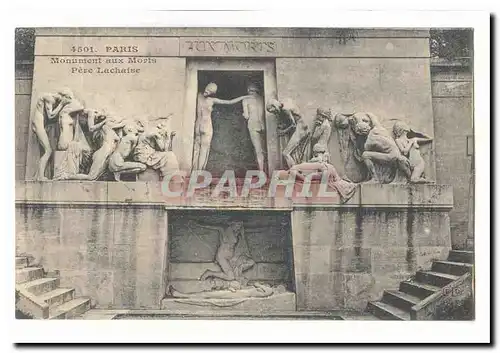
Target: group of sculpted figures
96,142
253,112
377,154
369,151
92,143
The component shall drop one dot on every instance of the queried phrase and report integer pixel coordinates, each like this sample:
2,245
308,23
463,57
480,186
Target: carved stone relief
372,154
95,144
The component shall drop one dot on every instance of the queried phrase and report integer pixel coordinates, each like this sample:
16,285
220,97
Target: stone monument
142,108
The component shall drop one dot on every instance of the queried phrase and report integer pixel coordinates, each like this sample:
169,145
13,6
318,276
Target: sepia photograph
245,173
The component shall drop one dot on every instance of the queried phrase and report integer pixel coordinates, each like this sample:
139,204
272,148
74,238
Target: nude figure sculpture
105,129
203,129
255,290
47,108
154,149
231,262
67,123
373,148
410,148
253,112
117,161
289,115
318,166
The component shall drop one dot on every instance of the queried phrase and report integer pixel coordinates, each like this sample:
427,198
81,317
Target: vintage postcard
218,173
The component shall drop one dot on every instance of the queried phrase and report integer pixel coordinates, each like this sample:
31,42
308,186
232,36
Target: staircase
423,296
41,297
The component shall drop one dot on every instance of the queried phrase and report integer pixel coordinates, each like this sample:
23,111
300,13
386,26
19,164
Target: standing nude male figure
47,109
253,112
203,129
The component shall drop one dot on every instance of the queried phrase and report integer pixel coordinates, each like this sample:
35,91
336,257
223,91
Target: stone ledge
150,193
234,31
406,195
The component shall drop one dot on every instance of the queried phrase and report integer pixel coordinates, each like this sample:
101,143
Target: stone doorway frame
267,66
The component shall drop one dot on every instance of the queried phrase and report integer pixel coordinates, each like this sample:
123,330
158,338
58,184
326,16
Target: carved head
321,115
66,94
131,128
274,107
163,127
363,123
210,90
399,129
319,153
252,89
236,226
341,121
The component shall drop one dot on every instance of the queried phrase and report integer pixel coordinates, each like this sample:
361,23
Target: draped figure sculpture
290,122
105,131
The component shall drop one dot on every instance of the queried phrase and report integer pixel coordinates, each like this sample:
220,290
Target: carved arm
229,102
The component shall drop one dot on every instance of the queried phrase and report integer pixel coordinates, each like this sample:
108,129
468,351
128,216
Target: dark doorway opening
231,147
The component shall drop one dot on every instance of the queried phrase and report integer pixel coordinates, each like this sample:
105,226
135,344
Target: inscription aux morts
229,46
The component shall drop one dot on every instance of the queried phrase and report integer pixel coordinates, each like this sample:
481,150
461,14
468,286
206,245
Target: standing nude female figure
203,129
47,109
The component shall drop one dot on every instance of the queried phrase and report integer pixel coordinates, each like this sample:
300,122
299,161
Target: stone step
417,289
438,279
70,309
461,256
27,274
58,296
21,261
401,300
386,311
42,285
451,267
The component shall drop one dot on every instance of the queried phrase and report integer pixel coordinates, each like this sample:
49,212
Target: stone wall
118,251
115,255
345,257
452,86
23,81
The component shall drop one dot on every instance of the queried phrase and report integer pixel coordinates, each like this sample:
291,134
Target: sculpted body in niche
253,112
203,130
